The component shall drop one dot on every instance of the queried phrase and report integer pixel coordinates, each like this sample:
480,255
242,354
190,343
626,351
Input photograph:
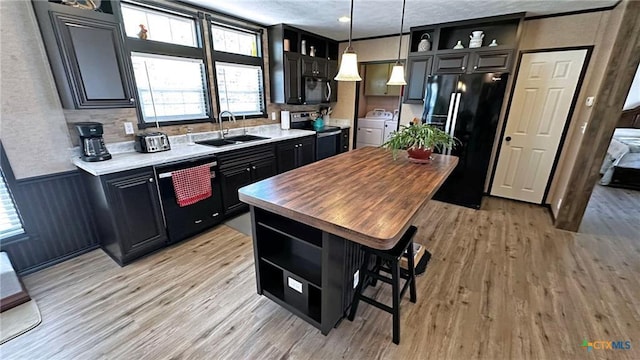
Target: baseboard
56,261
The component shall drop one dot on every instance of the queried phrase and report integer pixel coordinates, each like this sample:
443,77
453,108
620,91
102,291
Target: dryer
372,129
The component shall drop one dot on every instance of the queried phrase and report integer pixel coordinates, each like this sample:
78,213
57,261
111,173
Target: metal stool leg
412,274
395,275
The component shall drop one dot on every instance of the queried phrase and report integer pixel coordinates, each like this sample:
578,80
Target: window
160,26
170,72
239,70
170,88
10,224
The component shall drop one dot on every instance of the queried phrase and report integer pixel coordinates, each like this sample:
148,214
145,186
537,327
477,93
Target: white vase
459,45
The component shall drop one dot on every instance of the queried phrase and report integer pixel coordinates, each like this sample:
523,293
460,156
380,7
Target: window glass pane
170,88
160,26
10,224
240,88
234,41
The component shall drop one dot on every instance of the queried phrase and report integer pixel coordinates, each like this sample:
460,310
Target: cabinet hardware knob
475,67
248,169
254,168
508,138
151,180
463,68
132,100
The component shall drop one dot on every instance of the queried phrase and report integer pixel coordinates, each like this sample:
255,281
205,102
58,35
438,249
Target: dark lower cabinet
87,56
129,215
295,153
243,167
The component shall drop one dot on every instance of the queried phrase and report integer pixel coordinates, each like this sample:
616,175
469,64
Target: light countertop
180,150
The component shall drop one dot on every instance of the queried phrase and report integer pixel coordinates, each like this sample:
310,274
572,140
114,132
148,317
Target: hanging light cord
351,25
401,26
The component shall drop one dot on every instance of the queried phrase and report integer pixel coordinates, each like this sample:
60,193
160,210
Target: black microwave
315,90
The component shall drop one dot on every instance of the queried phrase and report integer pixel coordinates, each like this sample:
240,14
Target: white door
540,107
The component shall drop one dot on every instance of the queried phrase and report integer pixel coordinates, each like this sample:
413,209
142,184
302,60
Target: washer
371,128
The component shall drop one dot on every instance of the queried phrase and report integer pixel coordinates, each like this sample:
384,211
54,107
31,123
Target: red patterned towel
192,185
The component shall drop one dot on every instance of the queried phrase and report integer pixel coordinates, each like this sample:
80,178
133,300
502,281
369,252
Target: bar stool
392,258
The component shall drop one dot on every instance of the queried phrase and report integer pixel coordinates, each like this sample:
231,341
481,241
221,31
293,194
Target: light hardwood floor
502,283
612,211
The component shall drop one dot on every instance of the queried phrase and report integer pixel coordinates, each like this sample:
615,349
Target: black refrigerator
467,107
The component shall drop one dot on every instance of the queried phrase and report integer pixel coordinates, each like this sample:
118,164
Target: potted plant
419,140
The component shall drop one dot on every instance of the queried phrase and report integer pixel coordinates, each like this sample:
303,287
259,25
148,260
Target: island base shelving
303,269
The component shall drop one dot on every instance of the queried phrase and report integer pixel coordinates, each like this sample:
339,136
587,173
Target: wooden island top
362,195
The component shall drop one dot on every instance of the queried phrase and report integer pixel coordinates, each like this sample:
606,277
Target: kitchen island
309,224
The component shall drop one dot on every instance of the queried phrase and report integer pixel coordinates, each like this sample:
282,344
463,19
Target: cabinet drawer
452,63
370,135
487,61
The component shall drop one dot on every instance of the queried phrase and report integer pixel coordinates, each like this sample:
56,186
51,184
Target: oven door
327,144
316,90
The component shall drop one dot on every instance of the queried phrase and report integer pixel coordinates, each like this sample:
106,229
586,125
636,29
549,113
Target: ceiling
382,17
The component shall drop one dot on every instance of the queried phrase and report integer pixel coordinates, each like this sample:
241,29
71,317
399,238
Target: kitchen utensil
152,142
91,142
424,44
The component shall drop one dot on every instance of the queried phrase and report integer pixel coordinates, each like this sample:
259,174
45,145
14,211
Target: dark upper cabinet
292,78
87,56
295,153
419,69
491,60
451,63
332,71
313,66
130,216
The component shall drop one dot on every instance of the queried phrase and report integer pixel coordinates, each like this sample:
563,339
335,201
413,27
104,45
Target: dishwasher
183,222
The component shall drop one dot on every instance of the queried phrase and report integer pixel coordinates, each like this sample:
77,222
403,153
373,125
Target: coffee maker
93,148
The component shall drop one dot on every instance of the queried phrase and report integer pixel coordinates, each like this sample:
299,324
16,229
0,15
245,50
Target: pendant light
349,63
397,73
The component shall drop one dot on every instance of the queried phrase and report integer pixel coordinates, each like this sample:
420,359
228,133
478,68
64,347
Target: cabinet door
490,61
231,180
419,70
135,205
292,78
332,71
94,62
375,83
306,151
287,156
320,67
308,65
452,63
263,169
344,140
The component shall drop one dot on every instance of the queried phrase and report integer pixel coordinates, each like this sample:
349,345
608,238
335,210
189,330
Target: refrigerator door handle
454,118
450,112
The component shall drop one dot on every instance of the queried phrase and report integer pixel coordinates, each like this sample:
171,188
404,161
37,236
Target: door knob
508,138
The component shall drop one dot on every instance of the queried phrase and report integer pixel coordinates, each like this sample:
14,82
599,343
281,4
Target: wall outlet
589,101
356,278
273,115
128,128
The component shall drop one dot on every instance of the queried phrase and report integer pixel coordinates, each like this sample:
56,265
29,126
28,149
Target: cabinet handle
151,180
197,221
216,214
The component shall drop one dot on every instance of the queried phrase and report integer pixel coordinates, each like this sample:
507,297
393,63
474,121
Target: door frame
567,123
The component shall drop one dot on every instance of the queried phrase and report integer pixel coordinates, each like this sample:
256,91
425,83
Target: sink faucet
223,131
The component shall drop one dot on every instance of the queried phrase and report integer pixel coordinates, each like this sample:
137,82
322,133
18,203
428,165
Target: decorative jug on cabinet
424,44
476,39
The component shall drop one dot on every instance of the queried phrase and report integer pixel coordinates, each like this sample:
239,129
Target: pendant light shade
349,64
397,74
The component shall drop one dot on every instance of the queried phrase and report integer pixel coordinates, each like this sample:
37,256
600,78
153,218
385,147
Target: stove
327,139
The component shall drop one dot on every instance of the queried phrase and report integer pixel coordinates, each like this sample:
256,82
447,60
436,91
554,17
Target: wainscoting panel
58,220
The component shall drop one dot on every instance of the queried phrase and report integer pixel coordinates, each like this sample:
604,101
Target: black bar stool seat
388,261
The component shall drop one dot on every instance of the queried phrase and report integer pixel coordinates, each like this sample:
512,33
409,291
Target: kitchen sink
231,140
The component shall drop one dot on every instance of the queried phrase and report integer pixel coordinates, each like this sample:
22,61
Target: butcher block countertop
362,195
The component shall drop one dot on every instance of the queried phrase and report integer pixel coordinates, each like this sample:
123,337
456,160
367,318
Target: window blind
240,88
10,224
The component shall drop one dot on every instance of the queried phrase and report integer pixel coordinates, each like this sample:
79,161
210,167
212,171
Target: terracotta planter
420,153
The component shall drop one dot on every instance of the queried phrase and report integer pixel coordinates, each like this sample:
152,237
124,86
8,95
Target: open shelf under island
309,224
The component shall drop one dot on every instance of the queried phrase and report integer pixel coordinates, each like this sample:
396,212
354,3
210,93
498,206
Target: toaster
152,142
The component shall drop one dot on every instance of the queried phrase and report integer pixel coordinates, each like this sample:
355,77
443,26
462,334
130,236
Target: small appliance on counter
152,142
91,141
